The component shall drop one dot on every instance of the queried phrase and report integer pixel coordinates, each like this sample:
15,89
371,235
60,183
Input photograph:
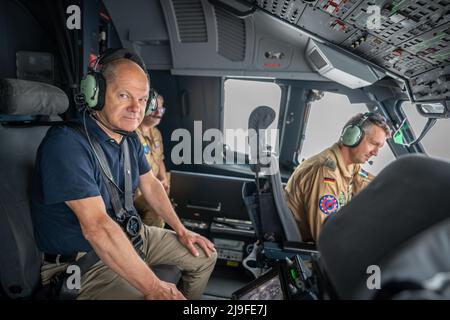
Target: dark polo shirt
66,169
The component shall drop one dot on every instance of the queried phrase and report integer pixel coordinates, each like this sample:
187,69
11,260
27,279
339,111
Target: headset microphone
121,132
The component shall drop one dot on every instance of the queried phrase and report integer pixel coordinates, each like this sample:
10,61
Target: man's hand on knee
165,291
189,239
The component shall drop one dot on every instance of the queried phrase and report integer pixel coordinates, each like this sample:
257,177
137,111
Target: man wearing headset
151,140
72,207
327,181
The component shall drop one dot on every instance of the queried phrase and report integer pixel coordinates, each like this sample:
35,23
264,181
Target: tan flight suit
320,186
154,152
160,247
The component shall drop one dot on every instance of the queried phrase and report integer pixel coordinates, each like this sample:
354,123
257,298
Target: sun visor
340,67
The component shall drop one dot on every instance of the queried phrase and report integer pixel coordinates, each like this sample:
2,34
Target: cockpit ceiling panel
433,46
411,38
340,8
326,26
403,62
367,45
286,10
433,85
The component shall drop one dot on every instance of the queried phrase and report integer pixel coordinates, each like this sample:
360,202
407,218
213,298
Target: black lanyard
112,187
126,217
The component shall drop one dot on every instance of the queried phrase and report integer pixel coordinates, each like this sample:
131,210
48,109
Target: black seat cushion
20,259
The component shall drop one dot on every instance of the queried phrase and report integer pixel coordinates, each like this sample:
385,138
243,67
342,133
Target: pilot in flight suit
320,186
327,181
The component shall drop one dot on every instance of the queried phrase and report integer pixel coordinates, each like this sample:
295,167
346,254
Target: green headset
93,84
353,133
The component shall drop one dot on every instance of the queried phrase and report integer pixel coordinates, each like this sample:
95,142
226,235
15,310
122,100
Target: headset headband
364,118
114,54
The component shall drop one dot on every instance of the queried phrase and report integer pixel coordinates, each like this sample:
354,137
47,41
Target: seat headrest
23,97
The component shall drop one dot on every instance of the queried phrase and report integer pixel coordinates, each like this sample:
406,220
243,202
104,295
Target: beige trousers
161,246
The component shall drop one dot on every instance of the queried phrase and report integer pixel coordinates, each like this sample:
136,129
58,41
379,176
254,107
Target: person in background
152,143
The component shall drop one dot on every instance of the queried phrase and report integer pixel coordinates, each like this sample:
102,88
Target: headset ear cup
361,136
101,90
352,136
89,89
93,87
151,102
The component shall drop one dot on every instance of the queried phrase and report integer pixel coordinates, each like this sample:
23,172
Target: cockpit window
435,141
327,117
241,97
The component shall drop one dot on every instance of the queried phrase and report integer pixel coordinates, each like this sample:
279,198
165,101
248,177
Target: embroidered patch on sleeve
328,204
329,180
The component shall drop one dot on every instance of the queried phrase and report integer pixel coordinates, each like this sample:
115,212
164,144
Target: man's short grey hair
109,70
373,119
